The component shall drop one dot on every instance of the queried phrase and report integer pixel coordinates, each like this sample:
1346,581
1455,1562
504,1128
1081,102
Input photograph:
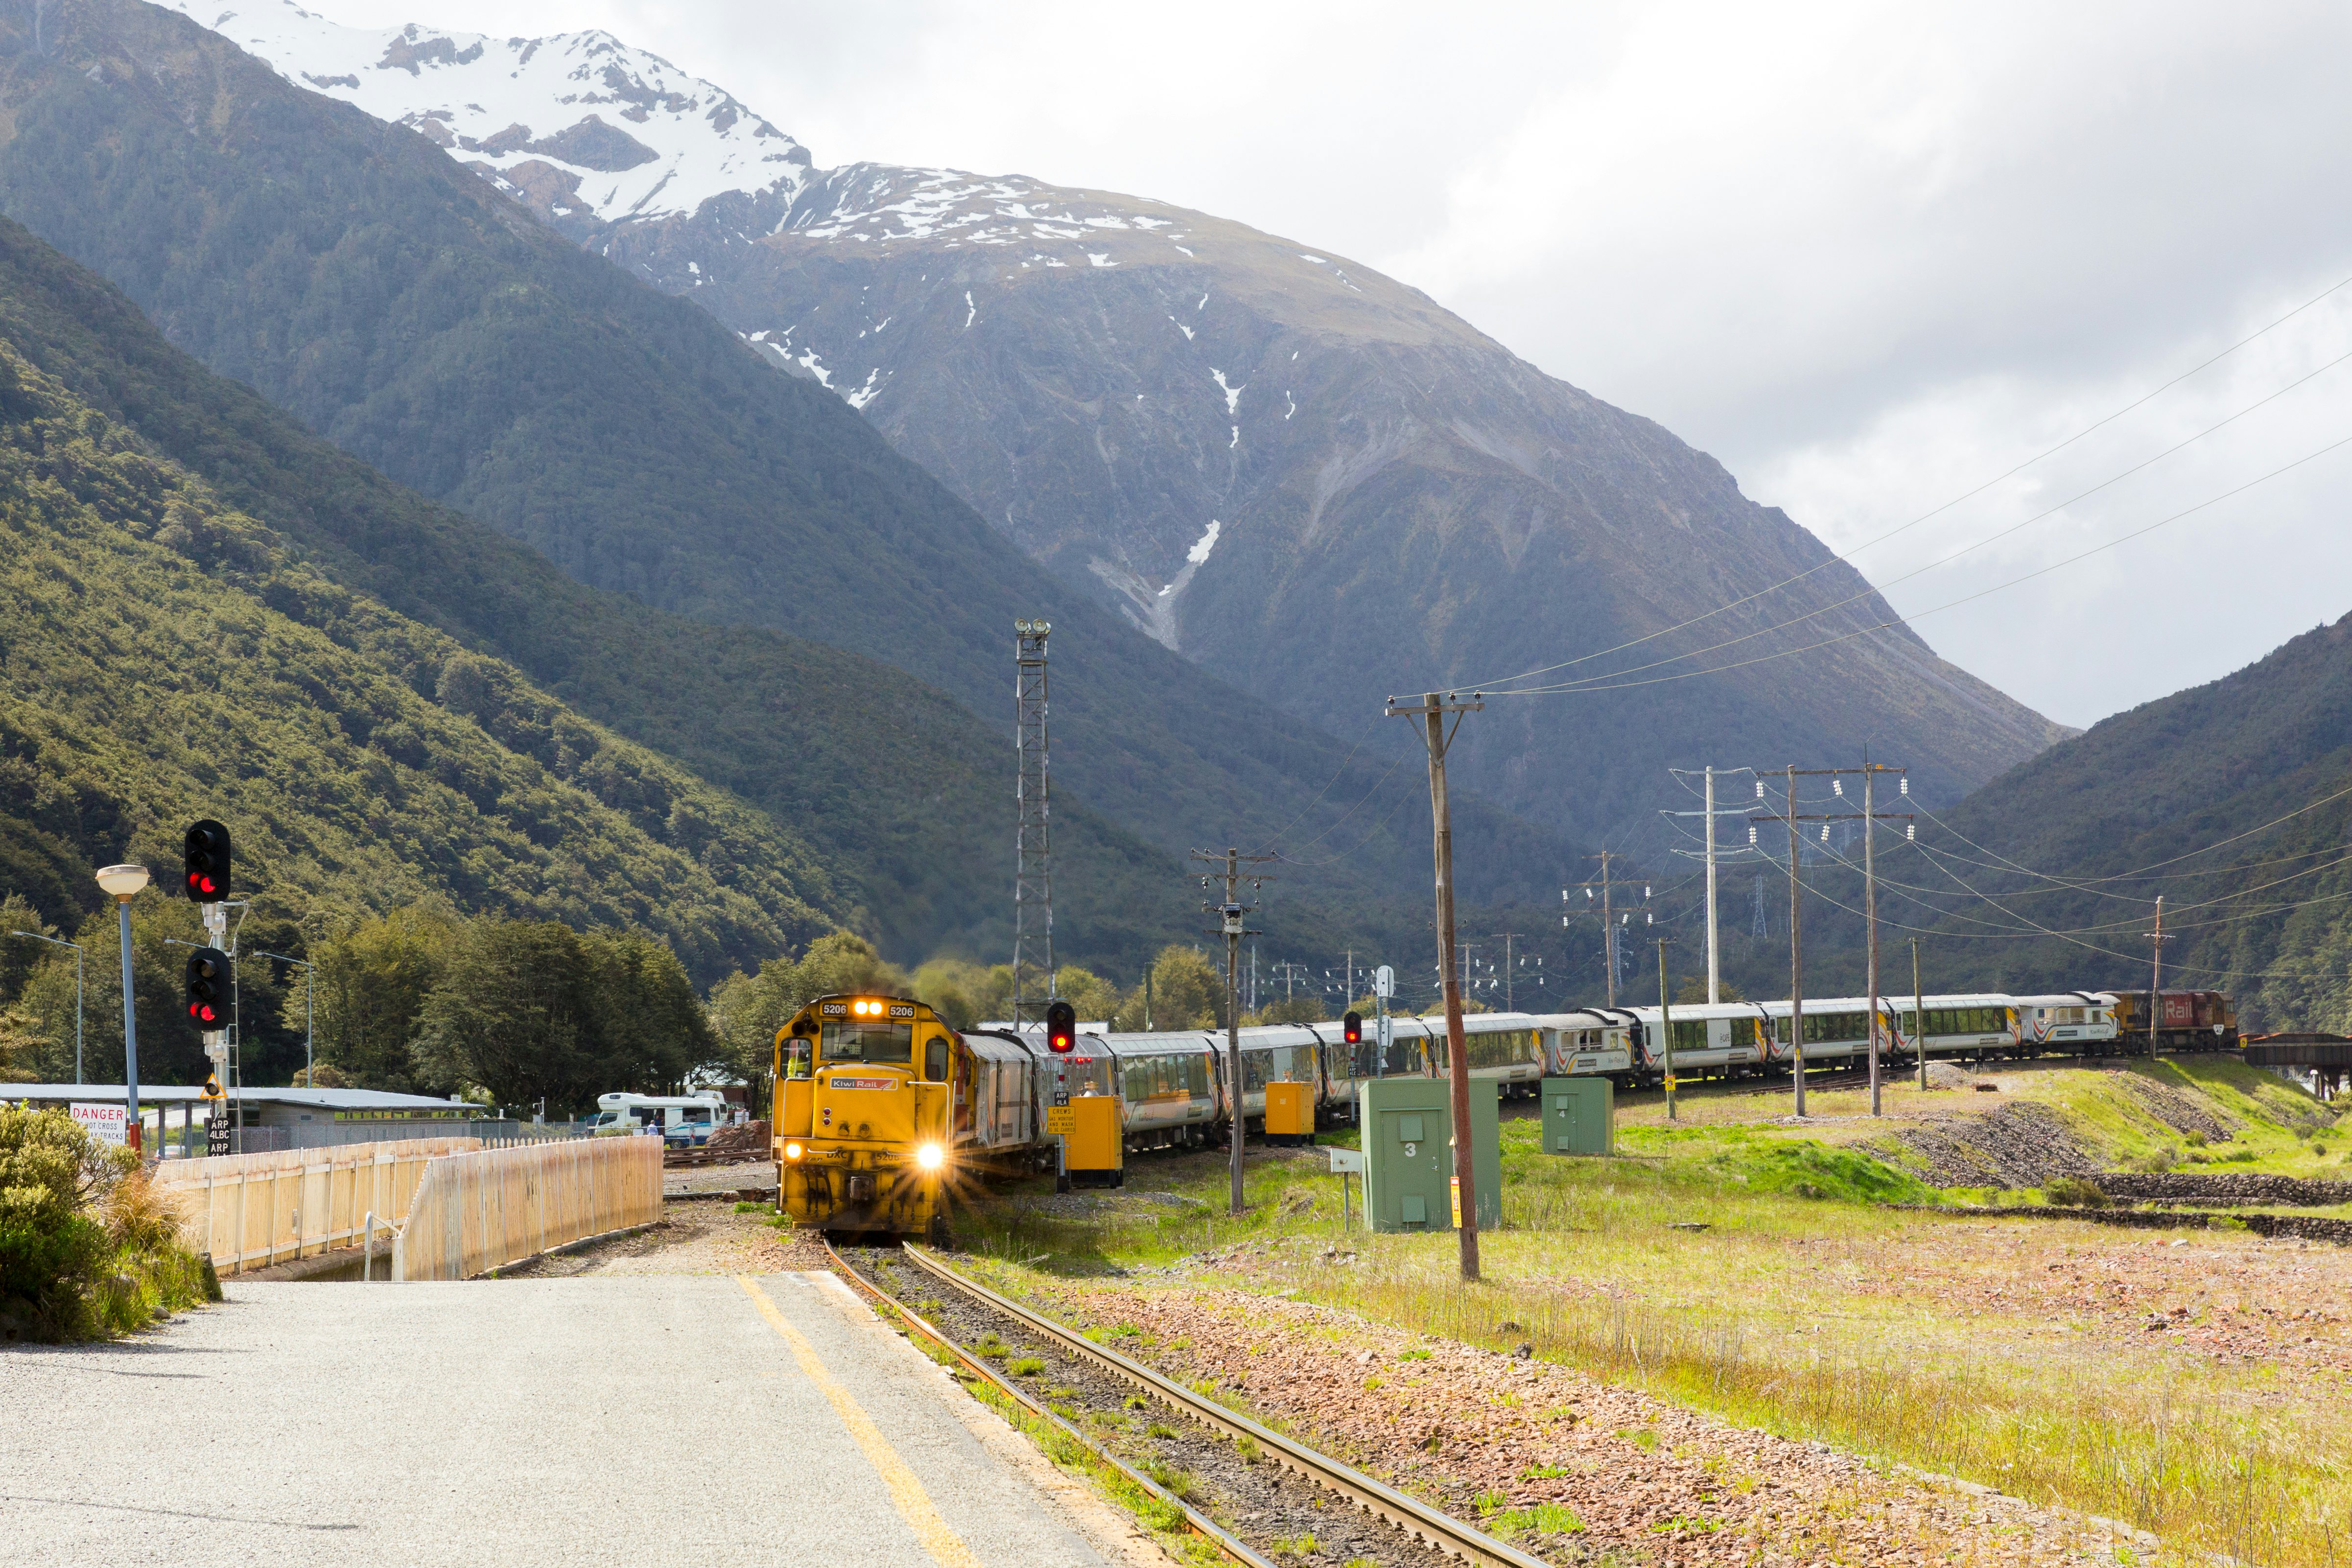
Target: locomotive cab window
877,1041
796,1056
935,1058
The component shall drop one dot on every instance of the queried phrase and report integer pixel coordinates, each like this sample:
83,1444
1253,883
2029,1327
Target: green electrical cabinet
1580,1116
1408,1131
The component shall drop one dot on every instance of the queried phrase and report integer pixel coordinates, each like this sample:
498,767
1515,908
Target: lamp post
309,986
123,884
61,942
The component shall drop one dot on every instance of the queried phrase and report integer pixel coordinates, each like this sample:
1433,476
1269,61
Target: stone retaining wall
2182,1186
2309,1227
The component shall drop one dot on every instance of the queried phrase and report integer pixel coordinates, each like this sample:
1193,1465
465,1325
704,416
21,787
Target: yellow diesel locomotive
864,1096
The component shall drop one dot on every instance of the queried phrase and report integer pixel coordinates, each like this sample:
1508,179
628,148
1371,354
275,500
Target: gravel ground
1266,1506
755,1176
1646,1480
695,1238
2230,1297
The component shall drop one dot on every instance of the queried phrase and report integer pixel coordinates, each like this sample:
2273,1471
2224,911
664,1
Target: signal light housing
1351,1028
207,989
1061,1028
205,862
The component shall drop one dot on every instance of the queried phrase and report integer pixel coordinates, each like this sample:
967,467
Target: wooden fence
473,1212
252,1211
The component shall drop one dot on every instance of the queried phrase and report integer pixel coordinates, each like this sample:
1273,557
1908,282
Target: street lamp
123,884
310,985
61,942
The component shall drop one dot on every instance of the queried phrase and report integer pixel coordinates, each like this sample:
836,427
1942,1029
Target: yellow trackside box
1290,1112
1095,1149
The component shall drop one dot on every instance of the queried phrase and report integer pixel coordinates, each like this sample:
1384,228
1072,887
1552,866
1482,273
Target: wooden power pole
1231,916
1868,818
1438,736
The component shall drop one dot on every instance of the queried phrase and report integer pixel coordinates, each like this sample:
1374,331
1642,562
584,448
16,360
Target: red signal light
1061,1028
1351,1028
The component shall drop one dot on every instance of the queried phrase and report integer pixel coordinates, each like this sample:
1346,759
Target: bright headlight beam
930,1156
792,1151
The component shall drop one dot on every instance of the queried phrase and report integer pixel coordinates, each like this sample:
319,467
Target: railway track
1269,1490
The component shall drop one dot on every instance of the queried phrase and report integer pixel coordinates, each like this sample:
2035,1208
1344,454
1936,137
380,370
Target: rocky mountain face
1305,476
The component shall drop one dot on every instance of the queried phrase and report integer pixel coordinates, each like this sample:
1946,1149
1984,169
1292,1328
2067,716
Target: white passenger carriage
2065,1020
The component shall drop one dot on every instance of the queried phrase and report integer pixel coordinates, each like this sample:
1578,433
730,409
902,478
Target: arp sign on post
106,1124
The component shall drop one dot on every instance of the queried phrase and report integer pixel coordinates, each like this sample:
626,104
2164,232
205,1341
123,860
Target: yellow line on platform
907,1493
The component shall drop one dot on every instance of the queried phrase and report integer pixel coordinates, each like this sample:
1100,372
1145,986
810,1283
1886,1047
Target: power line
1579,688
1871,589
1968,496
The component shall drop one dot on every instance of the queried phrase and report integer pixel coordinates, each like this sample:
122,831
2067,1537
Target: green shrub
2075,1192
89,1247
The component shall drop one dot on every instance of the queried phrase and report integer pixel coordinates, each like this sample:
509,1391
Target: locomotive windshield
851,1040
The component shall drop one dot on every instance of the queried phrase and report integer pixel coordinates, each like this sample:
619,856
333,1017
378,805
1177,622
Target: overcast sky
1868,257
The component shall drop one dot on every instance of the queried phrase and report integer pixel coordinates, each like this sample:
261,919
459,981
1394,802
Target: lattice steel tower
1033,878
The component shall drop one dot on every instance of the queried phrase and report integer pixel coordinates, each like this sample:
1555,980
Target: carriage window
877,1042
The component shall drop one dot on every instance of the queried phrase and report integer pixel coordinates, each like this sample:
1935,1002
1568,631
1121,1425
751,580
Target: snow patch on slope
580,120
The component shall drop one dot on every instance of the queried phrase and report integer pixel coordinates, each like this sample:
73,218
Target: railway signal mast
1033,876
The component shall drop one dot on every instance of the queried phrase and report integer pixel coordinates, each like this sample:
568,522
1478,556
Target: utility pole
1714,962
1918,1016
1033,873
1796,937
2156,977
1510,1004
1608,886
1438,737
1666,1026
1867,817
1232,928
1288,973
1870,772
1714,940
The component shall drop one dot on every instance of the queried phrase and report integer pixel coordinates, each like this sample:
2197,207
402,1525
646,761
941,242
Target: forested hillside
891,785
2232,800
399,306
165,656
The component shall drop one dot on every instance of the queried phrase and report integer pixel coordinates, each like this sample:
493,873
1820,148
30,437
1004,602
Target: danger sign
106,1124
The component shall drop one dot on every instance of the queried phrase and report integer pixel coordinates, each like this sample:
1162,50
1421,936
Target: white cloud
1866,255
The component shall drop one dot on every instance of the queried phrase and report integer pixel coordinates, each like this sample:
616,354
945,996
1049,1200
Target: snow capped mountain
1308,476
579,126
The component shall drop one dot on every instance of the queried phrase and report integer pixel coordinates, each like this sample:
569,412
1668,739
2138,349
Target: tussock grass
2191,1459
1787,1312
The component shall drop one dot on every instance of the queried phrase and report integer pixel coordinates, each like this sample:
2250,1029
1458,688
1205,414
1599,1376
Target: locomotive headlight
930,1156
792,1151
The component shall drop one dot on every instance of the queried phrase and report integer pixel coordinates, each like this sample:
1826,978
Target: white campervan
690,1118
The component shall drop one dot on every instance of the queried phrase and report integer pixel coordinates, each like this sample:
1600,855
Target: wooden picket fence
248,1211
473,1212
